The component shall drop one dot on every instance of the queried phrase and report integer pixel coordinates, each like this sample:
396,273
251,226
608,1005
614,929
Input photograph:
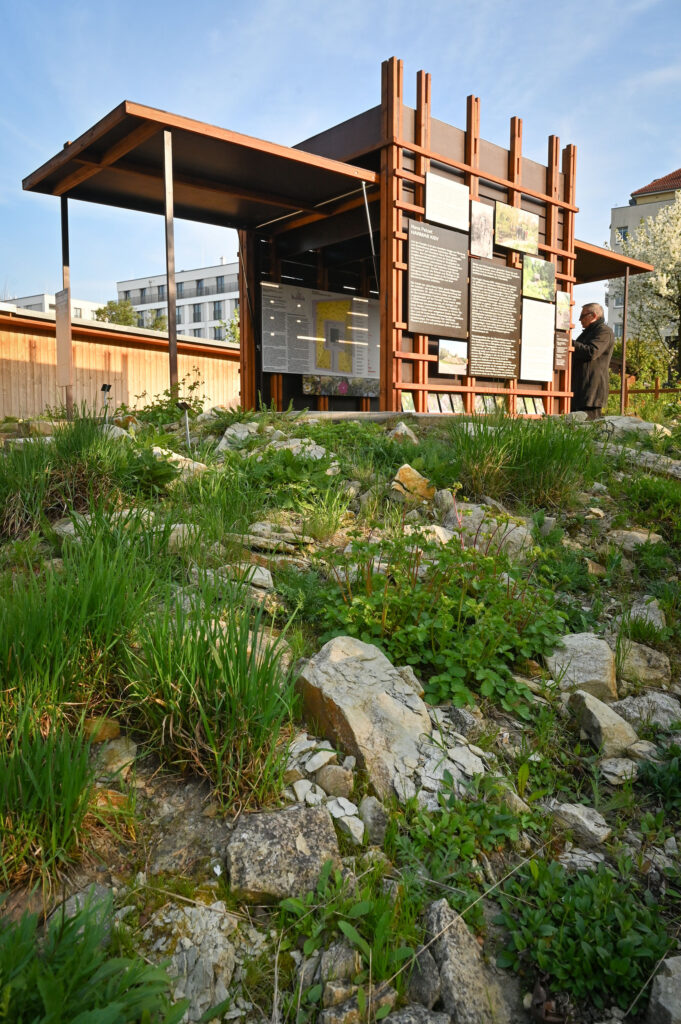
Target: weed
594,933
68,975
663,780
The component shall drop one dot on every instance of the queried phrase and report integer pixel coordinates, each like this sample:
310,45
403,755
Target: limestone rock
621,426
187,467
349,1012
335,781
647,609
588,826
469,991
660,709
485,529
364,706
402,433
375,818
181,535
408,484
236,434
444,501
665,994
280,853
301,447
117,757
417,1014
618,770
585,662
641,664
606,730
340,962
352,826
202,958
424,981
629,540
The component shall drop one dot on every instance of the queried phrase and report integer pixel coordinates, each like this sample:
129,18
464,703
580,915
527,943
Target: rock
337,992
236,434
117,757
187,467
467,721
255,575
101,729
618,770
301,447
340,962
469,763
375,818
629,540
641,664
444,501
276,854
319,759
581,860
643,750
411,679
202,958
181,535
98,897
647,609
349,1012
584,662
469,991
417,1014
301,788
408,484
513,802
402,433
606,730
315,796
363,705
352,826
424,981
110,430
621,426
485,529
339,806
335,781
588,826
653,708
665,994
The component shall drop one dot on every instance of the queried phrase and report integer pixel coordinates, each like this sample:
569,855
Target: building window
140,319
220,283
78,312
179,314
618,330
217,311
197,334
161,292
199,286
126,296
143,294
622,234
219,333
180,289
196,315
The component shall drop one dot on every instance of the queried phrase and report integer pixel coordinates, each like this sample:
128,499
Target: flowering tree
655,298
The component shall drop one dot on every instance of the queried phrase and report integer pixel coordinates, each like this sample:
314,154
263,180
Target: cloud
657,78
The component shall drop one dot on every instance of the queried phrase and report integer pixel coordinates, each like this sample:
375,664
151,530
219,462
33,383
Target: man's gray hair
594,307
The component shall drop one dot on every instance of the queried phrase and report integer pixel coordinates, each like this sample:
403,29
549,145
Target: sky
602,74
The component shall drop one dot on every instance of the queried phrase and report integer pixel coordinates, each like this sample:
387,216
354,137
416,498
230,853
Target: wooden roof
594,263
219,176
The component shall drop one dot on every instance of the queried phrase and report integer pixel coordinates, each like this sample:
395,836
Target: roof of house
665,184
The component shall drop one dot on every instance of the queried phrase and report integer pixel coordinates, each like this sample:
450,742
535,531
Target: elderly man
591,361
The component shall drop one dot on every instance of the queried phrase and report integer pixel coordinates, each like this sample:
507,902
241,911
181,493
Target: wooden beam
170,259
109,157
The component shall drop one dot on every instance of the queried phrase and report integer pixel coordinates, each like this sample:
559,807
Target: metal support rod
371,235
623,380
170,258
66,285
186,431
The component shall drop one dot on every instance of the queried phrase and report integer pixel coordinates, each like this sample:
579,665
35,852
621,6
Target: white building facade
81,309
645,202
206,299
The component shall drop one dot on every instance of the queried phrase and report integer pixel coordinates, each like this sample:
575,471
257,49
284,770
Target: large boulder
469,991
589,827
584,662
358,700
280,853
665,994
605,729
660,709
628,540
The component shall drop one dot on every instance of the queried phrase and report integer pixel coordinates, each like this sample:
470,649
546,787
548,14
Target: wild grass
213,697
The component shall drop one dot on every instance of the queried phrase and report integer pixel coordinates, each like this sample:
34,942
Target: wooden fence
655,391
133,362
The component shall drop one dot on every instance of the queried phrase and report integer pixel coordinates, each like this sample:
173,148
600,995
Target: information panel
438,281
495,320
314,332
447,201
560,358
536,350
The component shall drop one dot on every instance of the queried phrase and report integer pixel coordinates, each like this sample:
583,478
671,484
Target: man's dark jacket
590,363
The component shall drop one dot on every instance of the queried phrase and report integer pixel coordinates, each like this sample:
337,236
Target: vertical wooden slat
421,166
472,143
391,220
569,175
553,190
170,257
246,324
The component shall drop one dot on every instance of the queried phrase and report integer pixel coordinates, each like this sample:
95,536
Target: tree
232,332
155,321
655,298
117,311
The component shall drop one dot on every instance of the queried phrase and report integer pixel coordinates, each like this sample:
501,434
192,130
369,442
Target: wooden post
170,259
63,316
421,166
391,222
247,326
623,387
569,173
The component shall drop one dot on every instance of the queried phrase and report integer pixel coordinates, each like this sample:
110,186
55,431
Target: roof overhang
219,176
594,263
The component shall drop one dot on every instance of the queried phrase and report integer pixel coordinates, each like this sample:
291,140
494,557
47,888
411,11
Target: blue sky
603,74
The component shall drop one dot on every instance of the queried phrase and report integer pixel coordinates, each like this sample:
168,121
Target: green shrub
213,695
594,933
67,977
656,501
459,620
663,780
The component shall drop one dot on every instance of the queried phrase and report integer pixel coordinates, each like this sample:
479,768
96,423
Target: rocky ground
202,892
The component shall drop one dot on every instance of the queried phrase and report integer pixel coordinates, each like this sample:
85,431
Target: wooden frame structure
333,213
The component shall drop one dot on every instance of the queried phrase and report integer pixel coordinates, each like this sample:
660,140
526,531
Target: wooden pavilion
332,219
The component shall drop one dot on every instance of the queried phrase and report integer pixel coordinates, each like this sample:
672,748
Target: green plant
45,795
66,976
213,695
163,408
653,499
594,933
455,615
663,780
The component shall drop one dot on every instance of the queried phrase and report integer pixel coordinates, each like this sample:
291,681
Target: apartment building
206,299
645,202
81,309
